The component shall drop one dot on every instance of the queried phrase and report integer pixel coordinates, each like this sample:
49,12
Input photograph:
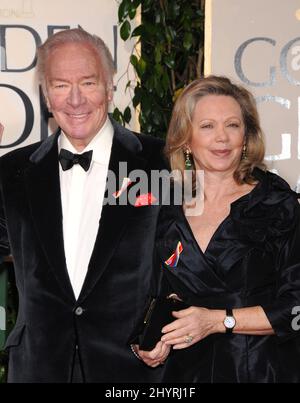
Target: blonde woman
238,267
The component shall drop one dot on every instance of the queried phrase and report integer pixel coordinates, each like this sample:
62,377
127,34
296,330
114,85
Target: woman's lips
221,153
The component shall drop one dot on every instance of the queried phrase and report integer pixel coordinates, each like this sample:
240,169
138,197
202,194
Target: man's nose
75,97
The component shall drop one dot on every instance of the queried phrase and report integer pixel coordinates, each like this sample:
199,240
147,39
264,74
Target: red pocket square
145,200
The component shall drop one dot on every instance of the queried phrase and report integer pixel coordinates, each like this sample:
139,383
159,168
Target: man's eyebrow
89,77
94,76
58,79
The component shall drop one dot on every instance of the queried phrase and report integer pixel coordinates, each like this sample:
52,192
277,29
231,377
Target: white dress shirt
82,196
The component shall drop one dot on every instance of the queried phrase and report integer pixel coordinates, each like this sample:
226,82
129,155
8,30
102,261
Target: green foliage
168,55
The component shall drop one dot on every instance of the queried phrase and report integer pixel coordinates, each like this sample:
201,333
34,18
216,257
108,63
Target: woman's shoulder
273,189
272,207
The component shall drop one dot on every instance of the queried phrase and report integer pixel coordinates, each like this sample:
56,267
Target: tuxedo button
78,311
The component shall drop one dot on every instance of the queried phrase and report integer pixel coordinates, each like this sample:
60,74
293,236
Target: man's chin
77,134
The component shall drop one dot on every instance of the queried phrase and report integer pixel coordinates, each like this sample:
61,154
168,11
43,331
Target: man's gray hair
76,35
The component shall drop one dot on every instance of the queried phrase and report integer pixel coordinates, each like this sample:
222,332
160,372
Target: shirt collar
100,144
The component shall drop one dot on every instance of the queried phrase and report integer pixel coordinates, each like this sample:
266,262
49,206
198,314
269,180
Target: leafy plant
167,56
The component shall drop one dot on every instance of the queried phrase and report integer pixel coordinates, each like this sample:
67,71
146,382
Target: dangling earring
187,162
244,152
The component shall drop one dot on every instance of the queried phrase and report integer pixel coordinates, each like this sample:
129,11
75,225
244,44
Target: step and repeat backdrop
254,42
257,43
24,25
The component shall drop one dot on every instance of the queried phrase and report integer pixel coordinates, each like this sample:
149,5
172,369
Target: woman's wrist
219,316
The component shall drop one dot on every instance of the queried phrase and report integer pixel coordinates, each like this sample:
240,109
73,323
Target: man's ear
1,131
110,92
47,101
45,95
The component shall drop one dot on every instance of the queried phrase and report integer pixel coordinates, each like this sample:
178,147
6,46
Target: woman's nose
221,134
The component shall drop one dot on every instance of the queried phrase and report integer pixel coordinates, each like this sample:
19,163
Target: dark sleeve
280,312
154,289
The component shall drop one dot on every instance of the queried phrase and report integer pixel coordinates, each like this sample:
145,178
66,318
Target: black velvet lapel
42,181
114,217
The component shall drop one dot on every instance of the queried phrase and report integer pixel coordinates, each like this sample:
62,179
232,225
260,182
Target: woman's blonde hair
180,128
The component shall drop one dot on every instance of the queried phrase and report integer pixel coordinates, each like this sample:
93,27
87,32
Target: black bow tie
68,159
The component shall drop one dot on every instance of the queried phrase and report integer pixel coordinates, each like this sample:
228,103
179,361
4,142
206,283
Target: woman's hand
192,325
156,356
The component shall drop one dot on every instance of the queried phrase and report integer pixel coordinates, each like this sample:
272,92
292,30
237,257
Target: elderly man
82,266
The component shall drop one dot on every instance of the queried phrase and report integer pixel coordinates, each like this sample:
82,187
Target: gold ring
188,339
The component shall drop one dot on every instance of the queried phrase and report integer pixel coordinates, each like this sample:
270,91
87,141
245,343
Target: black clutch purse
158,314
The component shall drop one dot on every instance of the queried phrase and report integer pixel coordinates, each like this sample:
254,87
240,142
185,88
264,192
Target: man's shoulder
150,142
19,156
153,150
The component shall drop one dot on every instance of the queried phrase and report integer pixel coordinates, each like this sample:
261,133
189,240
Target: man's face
77,92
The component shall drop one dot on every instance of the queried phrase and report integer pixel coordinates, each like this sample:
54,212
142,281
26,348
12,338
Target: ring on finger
188,339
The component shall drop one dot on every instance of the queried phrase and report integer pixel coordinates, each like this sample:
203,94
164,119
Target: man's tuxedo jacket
51,324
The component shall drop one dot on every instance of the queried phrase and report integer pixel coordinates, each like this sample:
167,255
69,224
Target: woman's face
218,134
